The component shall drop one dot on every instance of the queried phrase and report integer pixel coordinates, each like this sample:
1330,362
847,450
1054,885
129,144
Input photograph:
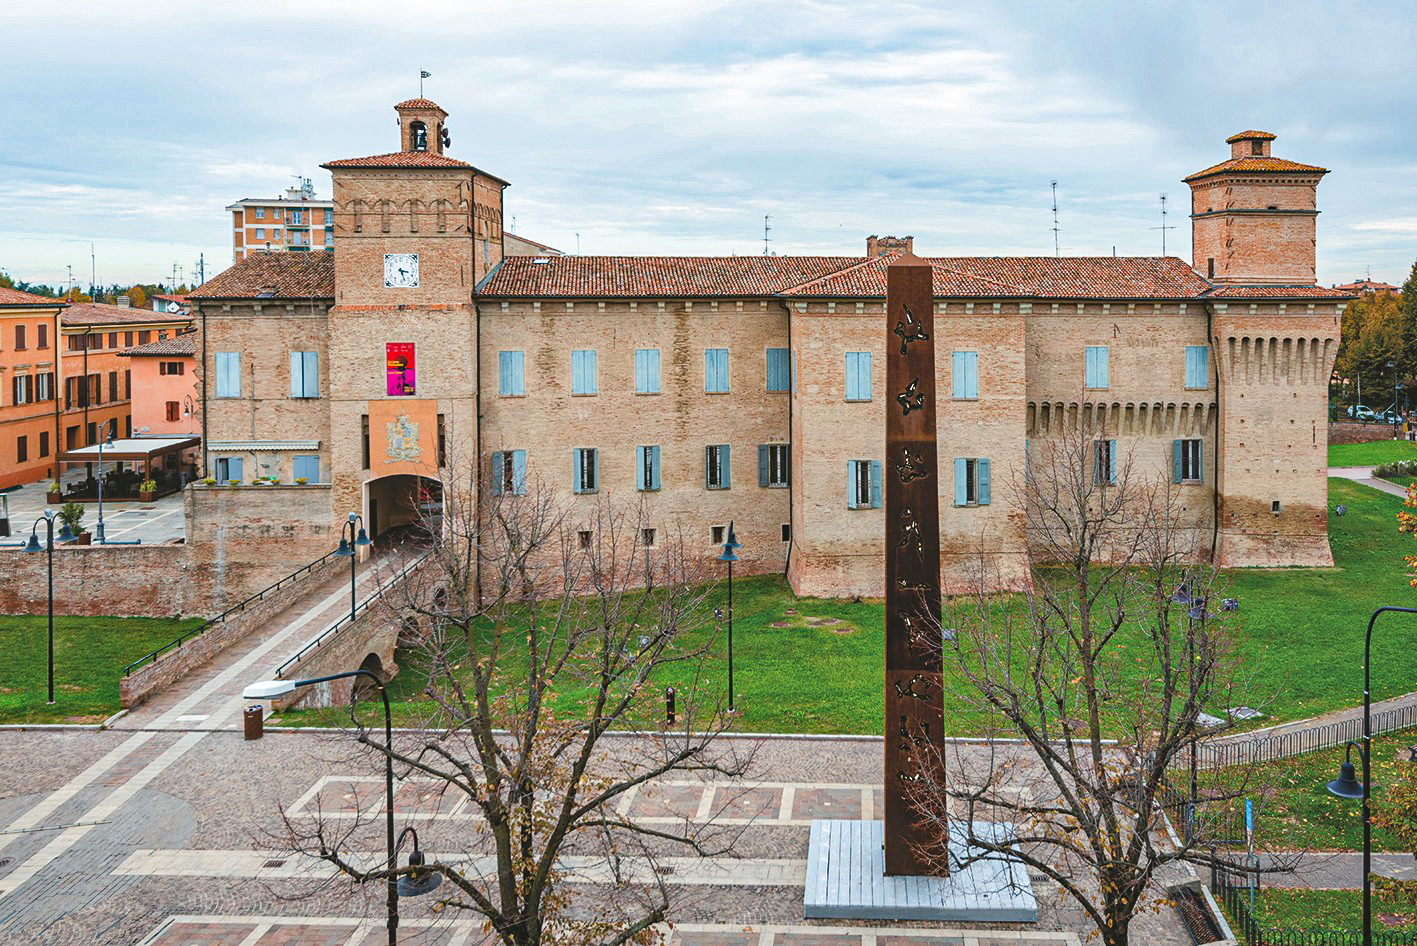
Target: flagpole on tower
422,74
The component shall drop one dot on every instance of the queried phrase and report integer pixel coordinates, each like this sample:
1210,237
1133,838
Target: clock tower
414,231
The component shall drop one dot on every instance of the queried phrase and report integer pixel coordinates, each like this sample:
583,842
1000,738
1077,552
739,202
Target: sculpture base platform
846,880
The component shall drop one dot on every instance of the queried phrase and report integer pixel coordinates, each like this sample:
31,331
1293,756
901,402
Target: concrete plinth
846,880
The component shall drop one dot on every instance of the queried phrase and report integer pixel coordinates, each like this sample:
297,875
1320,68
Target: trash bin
255,721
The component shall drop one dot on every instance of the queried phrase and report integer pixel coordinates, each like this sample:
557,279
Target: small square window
647,538
1257,147
584,536
718,533
787,532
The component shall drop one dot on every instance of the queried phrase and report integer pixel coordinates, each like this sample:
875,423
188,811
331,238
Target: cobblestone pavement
123,520
1337,870
174,838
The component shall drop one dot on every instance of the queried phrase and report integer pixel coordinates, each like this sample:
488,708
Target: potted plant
233,483
146,489
55,494
301,481
209,480
72,515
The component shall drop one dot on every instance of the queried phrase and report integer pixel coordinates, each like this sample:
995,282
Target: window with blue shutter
583,379
858,376
646,468
304,374
717,472
716,371
511,378
1096,373
964,375
585,469
1186,456
981,467
794,372
863,484
228,468
777,370
971,481
647,371
509,472
1196,375
228,374
773,464
875,484
306,468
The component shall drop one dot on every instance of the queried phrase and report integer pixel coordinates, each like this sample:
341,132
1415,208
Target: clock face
400,270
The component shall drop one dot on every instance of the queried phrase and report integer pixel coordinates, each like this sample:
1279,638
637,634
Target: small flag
424,75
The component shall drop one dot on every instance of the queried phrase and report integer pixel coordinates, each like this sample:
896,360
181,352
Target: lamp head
363,540
727,555
344,550
267,689
1347,784
66,534
732,537
419,882
33,544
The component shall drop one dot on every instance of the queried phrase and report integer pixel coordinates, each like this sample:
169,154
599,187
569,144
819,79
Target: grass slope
89,654
1327,910
1372,453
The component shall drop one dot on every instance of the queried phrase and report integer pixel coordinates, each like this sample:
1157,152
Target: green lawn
1372,453
89,654
814,665
1300,813
1279,908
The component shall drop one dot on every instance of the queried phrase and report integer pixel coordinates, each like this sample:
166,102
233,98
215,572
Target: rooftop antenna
766,230
1055,218
514,223
422,74
578,243
1163,228
93,273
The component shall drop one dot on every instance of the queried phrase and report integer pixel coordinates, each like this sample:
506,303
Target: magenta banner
399,361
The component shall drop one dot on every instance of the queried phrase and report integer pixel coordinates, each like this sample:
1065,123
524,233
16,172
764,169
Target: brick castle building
752,388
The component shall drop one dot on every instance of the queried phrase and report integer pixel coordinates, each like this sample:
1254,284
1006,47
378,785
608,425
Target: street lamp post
728,549
110,424
189,408
347,550
418,881
33,546
1344,786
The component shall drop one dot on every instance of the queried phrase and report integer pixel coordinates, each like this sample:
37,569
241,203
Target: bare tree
549,629
1101,672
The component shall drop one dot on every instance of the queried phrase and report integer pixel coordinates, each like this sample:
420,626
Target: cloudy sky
663,127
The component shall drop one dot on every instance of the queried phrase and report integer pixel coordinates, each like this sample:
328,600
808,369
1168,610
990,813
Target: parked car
1361,412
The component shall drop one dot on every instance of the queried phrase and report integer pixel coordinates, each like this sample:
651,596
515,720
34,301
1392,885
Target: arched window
419,133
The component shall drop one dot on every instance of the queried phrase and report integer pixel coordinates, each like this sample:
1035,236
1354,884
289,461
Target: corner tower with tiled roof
1253,217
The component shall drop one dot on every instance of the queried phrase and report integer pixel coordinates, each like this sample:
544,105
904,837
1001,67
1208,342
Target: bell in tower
421,126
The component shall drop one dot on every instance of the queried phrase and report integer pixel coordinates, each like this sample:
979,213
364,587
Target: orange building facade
29,333
165,398
296,222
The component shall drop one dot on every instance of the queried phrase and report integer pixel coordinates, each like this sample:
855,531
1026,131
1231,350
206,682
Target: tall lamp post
728,549
417,882
347,549
33,546
1345,786
190,409
110,425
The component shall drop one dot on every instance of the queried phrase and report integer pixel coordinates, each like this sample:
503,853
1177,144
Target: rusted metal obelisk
914,688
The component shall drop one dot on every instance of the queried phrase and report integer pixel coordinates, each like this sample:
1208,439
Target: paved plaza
125,520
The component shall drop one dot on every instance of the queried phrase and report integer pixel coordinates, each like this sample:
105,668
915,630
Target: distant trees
1378,330
138,297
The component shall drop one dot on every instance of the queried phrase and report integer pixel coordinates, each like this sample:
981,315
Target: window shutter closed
957,381
519,471
310,375
764,464
727,454
498,458
594,469
641,371
233,467
983,467
1200,461
577,372
971,374
708,467
851,484
654,467
640,467
875,484
961,488
1111,461
576,469
1175,461
504,373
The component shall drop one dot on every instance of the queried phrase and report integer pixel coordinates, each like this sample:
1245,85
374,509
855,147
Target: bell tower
1253,217
421,126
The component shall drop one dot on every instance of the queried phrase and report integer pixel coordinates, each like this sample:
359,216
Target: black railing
348,619
1237,750
1233,893
229,612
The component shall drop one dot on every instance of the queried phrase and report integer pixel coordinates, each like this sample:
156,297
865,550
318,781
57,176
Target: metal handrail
240,606
350,618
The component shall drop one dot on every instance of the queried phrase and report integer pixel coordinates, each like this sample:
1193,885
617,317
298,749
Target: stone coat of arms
403,440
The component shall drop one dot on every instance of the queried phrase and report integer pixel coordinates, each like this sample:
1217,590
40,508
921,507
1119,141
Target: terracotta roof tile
16,297
1278,292
841,277
101,313
1249,135
1257,163
419,103
274,276
399,159
184,343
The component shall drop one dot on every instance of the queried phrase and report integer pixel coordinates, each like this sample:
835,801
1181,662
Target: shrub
54,487
1396,469
147,486
71,515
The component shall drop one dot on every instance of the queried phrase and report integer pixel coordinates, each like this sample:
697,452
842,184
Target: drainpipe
1215,461
791,480
56,389
477,443
206,460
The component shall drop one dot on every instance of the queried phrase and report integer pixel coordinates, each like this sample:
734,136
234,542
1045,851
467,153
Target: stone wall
173,665
1358,433
119,580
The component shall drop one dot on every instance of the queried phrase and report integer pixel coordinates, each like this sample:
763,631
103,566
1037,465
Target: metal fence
1233,893
1238,751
